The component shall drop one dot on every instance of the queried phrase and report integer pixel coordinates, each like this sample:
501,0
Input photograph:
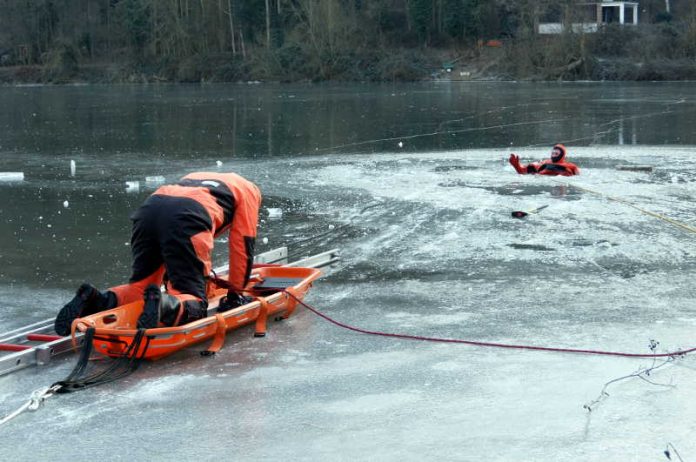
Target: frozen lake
412,183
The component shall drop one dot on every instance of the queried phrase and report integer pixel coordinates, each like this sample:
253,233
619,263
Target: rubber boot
232,300
88,300
164,310
193,311
150,317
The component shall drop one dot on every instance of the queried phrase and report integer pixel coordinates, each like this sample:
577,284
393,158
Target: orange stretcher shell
116,328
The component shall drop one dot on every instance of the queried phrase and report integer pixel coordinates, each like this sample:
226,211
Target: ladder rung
13,347
42,337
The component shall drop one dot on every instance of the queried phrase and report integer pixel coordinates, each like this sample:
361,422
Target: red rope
489,344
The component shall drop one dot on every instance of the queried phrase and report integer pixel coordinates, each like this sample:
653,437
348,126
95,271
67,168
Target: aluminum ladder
38,343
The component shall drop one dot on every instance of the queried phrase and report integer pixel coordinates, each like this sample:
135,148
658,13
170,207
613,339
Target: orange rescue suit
174,229
556,165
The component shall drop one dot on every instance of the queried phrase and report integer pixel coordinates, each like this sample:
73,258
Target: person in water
173,233
556,165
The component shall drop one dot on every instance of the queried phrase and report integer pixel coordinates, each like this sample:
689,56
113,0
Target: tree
133,16
421,16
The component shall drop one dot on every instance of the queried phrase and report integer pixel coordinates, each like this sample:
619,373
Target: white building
588,17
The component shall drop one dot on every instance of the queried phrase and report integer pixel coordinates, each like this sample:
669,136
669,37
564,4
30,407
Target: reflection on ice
11,176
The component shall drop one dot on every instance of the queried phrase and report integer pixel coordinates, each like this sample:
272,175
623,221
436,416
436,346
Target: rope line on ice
611,127
435,133
81,377
490,344
671,221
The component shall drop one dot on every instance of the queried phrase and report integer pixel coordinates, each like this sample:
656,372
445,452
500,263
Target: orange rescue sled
274,289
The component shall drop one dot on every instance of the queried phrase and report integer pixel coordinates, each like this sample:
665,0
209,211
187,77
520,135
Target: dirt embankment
483,63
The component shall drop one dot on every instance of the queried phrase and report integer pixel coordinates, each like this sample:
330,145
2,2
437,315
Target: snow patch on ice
160,389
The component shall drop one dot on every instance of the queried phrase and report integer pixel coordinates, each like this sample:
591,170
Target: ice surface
429,248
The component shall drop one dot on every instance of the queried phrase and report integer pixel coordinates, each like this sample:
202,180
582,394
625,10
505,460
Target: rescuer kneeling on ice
173,233
556,165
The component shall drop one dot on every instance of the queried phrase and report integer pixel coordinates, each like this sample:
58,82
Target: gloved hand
515,162
232,300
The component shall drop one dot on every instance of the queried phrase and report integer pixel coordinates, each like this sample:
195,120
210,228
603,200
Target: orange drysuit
556,165
173,232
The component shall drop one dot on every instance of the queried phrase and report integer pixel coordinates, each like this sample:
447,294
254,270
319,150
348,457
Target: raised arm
522,169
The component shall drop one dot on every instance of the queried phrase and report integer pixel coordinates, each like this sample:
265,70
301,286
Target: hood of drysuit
557,159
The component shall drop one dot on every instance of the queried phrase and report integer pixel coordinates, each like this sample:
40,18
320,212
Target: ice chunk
132,186
154,179
218,163
275,213
265,240
66,204
11,176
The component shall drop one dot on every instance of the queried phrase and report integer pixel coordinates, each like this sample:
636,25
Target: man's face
556,154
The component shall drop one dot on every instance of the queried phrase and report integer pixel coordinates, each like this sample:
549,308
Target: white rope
35,401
